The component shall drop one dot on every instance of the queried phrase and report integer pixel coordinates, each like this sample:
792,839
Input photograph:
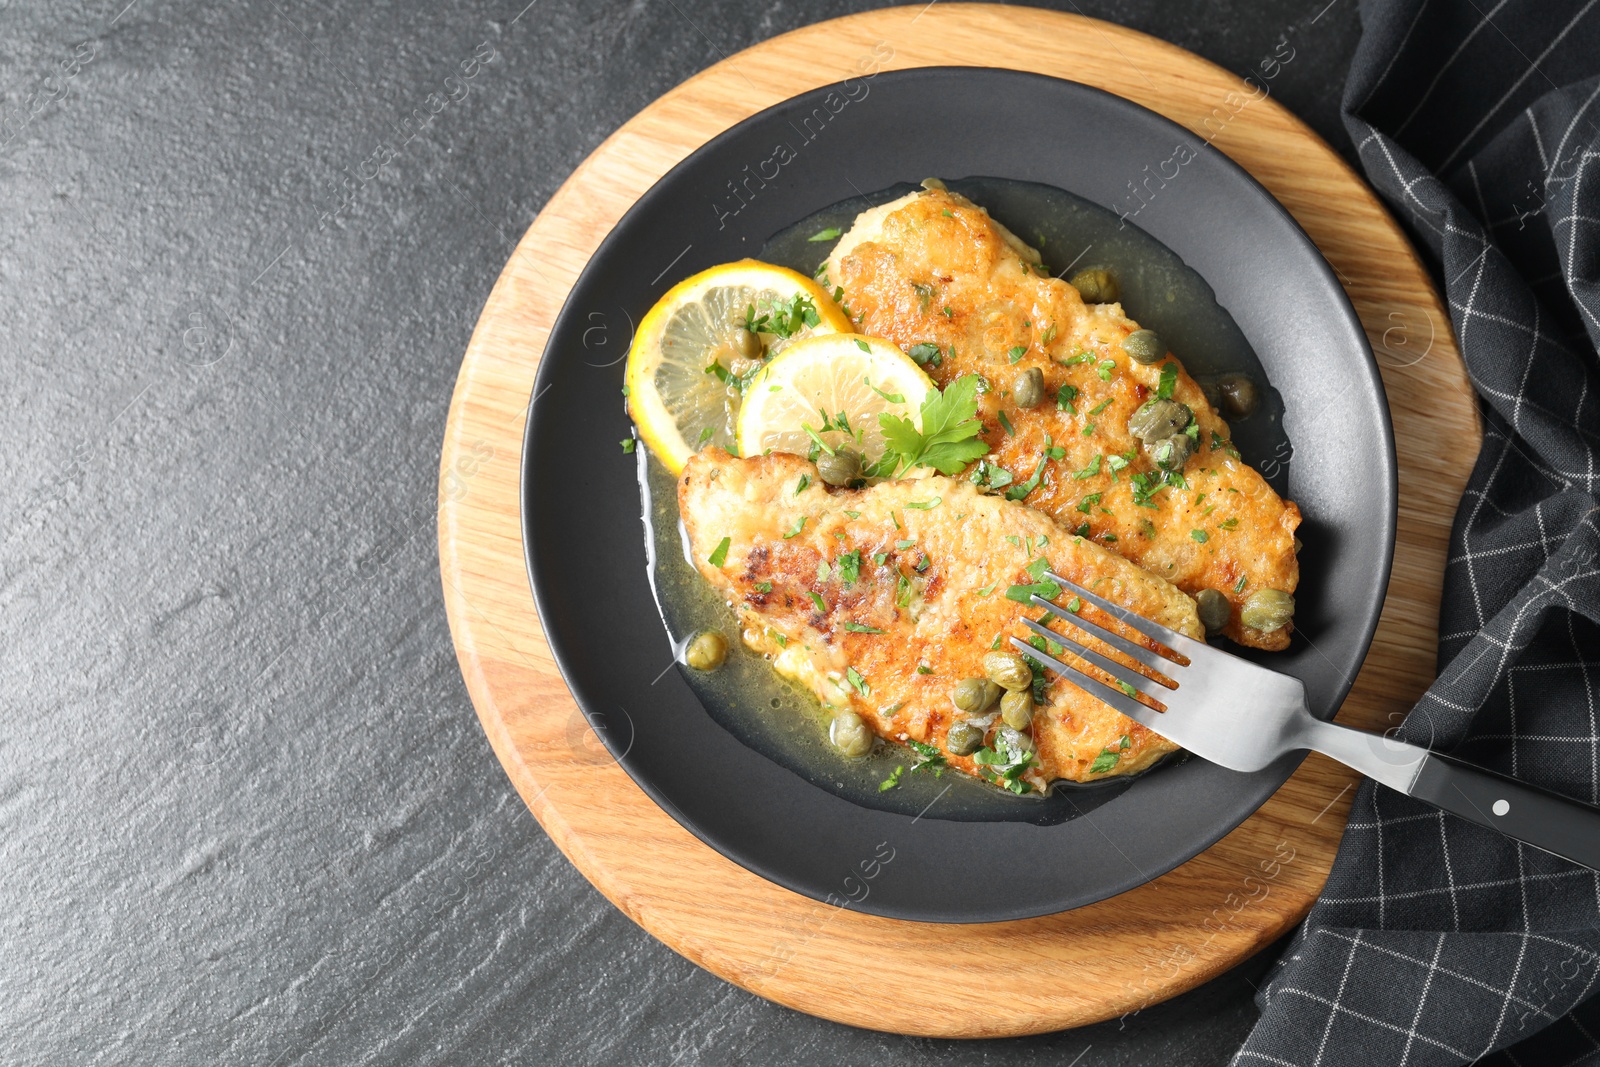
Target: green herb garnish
825,235
719,555
947,441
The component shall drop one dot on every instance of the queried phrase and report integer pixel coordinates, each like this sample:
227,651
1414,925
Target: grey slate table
248,814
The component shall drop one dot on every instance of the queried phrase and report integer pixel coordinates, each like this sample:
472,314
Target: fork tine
1153,660
1127,675
1139,713
1171,638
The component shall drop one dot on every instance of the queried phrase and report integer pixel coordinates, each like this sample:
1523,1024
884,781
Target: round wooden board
988,980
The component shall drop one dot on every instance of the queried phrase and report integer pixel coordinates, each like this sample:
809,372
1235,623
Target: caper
963,739
1267,609
849,734
973,695
1096,285
1238,396
1027,388
1144,346
1171,453
745,343
1007,670
1214,610
1156,418
933,183
1016,709
707,651
841,468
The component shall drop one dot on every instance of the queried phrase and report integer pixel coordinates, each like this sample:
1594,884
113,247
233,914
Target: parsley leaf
1017,353
1169,378
1091,470
627,444
719,555
1200,535
794,531
947,441
893,779
857,628
816,598
928,759
858,683
848,567
825,235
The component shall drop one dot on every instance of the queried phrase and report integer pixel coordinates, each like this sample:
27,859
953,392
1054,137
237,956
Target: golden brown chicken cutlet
880,600
935,274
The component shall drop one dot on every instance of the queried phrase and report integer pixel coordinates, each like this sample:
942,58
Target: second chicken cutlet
935,274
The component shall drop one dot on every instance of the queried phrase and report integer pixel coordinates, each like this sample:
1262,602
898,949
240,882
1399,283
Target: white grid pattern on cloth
1434,937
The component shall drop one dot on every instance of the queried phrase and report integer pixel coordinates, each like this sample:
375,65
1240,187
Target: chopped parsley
1017,492
1074,605
925,505
1231,524
1065,396
794,531
783,642
902,590
1088,429
816,598
858,683
782,318
1169,378
763,587
825,235
848,567
986,590
1098,408
1104,369
1126,688
1006,423
1108,757
989,476
863,345
1091,470
853,514
1200,535
857,628
880,558
822,570
627,445
800,486
1089,501
1239,588
1017,353
948,313
924,669
705,435
719,555
893,779
903,545
926,352
893,398
928,759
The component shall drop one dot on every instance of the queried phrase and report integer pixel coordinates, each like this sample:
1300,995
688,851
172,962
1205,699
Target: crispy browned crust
975,546
938,269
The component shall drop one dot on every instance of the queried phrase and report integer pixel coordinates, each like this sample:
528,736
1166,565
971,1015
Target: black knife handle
1534,816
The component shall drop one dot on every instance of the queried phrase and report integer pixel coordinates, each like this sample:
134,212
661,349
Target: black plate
580,499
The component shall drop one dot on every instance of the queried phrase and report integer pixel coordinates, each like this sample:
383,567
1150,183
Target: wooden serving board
997,979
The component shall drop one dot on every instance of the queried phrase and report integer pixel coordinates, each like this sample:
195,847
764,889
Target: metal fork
1243,717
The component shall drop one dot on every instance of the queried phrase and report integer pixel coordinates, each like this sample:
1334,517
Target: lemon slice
689,365
828,392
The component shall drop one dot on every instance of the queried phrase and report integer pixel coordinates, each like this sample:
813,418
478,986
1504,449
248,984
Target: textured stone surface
249,816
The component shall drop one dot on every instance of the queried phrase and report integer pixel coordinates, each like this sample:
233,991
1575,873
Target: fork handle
1534,816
